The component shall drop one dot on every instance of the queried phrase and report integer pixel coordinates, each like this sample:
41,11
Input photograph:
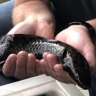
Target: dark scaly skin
74,63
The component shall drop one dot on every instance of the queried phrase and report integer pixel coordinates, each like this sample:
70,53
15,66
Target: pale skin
40,21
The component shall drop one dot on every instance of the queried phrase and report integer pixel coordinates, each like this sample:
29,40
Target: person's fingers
56,69
45,55
10,65
31,65
44,67
51,60
47,65
61,75
38,67
52,57
21,62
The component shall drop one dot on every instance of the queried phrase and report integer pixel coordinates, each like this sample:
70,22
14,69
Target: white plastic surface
39,85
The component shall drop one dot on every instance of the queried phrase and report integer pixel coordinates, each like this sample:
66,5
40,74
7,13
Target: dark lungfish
74,63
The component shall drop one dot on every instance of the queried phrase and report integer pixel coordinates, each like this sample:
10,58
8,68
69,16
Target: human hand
32,20
76,36
54,68
22,65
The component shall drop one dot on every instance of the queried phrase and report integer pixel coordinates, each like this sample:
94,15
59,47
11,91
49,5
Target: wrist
30,9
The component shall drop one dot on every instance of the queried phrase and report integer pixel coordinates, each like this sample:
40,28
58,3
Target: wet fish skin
73,62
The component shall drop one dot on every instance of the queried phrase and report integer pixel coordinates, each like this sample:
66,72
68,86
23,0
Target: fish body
73,62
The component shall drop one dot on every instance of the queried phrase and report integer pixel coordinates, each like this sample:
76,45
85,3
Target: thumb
43,29
22,28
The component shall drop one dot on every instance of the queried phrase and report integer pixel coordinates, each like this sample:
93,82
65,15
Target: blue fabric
5,16
6,80
5,26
